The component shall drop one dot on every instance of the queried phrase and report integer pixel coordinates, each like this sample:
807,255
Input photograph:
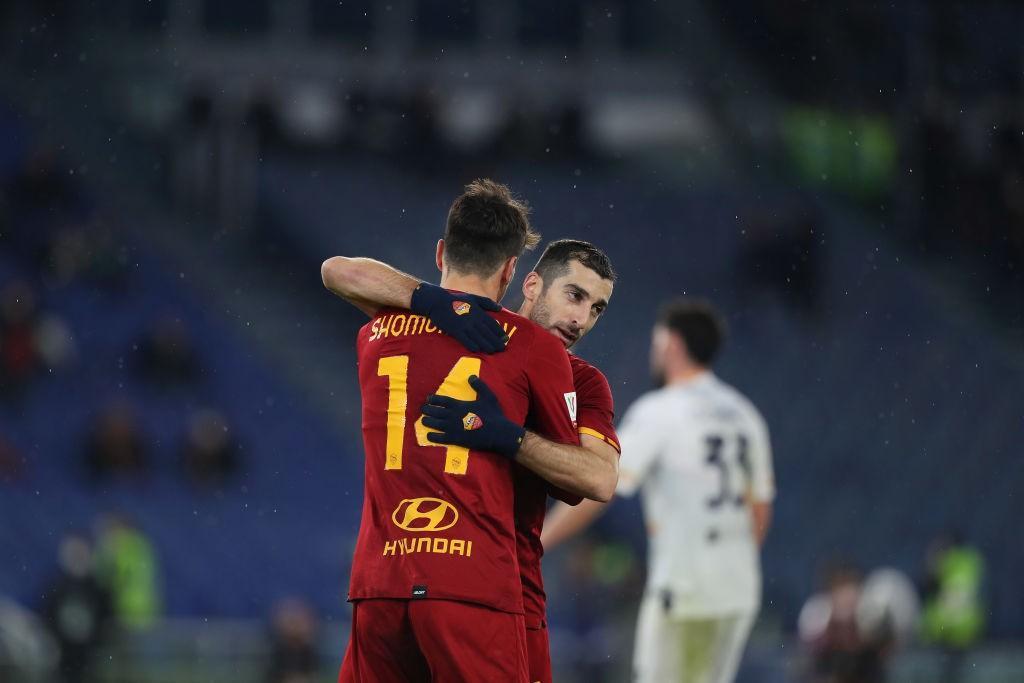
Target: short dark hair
697,322
486,225
554,262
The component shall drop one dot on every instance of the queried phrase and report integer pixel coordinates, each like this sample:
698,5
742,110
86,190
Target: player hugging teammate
465,434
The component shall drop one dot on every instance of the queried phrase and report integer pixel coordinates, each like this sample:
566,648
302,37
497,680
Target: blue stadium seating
892,414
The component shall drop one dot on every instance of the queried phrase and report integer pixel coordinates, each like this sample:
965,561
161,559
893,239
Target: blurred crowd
59,245
106,594
56,248
855,625
915,111
105,583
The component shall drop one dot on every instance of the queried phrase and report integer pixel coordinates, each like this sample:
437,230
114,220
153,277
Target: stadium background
844,180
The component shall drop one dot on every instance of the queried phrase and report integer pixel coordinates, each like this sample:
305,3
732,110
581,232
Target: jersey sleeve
596,408
642,438
762,471
552,395
595,415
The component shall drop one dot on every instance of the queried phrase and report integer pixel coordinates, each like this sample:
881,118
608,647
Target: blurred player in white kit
699,453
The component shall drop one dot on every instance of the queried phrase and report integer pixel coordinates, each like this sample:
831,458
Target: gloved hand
480,424
461,316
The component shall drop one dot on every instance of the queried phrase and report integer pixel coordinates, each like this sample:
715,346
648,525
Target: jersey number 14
455,384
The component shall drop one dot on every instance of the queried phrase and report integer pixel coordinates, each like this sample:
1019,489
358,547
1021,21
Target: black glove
462,317
480,425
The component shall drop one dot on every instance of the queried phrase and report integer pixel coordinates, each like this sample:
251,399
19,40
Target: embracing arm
367,284
590,470
370,285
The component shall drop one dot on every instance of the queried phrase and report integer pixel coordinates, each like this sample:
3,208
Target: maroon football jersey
438,522
594,413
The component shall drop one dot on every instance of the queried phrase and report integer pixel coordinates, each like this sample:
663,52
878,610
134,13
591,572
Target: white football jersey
698,452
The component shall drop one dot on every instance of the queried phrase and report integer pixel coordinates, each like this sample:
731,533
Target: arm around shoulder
367,284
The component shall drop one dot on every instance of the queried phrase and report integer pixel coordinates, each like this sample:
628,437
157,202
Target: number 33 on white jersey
699,453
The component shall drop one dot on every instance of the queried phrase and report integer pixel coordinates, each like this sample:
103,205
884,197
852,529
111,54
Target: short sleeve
552,394
762,471
642,438
596,407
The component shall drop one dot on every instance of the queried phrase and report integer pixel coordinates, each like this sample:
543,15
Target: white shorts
680,650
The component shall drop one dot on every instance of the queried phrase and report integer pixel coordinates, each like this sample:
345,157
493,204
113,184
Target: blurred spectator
115,444
841,650
954,615
29,340
127,566
210,453
294,657
166,353
77,610
27,651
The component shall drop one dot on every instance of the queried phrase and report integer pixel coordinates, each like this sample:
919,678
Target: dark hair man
699,452
435,588
566,293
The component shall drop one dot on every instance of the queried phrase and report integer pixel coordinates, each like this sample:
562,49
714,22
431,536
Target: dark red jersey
438,522
594,412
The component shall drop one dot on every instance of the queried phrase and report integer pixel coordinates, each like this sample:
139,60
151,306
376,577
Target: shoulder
520,330
587,377
651,405
584,371
743,404
380,316
363,336
531,351
531,335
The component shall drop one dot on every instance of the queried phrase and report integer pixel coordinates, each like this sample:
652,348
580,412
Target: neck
472,284
684,374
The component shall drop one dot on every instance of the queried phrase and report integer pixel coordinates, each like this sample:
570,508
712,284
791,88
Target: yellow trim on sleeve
598,435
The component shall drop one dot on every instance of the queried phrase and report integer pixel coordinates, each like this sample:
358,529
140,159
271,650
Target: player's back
438,520
716,454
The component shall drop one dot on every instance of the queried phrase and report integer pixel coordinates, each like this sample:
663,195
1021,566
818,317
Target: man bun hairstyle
486,225
697,322
554,262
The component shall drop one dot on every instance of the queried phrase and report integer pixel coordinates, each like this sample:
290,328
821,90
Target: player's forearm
762,517
564,521
588,472
368,284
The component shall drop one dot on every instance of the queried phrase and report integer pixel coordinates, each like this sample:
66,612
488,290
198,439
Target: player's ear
505,276
508,272
439,255
677,345
532,285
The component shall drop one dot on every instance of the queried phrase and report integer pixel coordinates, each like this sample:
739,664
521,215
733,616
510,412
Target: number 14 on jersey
455,384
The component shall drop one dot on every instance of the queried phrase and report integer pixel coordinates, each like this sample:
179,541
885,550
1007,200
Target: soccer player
435,584
566,293
699,452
